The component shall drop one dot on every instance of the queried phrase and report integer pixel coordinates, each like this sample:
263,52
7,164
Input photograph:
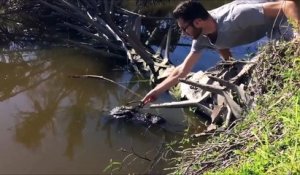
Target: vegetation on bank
267,140
275,124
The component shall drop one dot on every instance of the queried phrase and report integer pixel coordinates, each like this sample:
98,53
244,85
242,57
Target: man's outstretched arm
179,72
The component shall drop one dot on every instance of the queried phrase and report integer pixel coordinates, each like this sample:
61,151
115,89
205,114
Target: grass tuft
267,140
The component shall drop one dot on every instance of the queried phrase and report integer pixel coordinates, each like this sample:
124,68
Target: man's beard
197,33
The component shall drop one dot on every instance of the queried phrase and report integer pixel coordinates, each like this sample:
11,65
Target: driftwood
220,93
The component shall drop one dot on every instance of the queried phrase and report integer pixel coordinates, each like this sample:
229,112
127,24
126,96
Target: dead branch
106,79
91,48
211,88
182,104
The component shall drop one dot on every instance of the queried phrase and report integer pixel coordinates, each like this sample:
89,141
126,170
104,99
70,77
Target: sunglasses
183,29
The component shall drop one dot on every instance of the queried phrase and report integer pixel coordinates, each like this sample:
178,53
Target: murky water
53,124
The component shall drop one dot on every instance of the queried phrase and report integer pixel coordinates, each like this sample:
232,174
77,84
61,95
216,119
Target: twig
106,79
134,153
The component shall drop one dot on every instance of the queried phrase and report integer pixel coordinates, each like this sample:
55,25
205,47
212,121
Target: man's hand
150,97
226,54
179,72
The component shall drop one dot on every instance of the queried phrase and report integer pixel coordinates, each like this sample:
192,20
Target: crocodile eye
148,115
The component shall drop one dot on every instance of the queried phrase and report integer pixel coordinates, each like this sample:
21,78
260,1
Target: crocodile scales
134,115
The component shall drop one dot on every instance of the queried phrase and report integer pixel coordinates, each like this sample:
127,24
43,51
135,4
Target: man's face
188,28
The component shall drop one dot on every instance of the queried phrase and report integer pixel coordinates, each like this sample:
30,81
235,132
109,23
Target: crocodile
134,115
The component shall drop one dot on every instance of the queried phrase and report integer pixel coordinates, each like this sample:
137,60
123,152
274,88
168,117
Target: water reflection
52,109
18,75
44,105
74,129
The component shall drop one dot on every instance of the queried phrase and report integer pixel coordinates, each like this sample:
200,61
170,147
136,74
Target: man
228,26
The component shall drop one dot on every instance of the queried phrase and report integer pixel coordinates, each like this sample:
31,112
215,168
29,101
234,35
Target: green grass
275,152
267,141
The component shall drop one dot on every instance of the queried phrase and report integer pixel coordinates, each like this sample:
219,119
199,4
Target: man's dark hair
190,10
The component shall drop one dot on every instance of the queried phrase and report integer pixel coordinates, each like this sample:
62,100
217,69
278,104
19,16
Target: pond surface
53,124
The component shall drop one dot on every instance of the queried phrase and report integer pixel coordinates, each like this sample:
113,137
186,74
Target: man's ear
197,22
